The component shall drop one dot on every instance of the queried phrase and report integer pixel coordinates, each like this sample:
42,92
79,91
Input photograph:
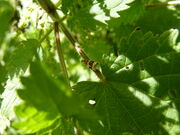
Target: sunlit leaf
22,56
46,102
134,98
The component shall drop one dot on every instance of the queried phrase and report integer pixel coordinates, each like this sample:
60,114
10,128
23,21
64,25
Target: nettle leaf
22,56
117,12
67,5
135,98
156,20
166,18
129,12
47,104
6,12
123,108
41,108
90,15
147,61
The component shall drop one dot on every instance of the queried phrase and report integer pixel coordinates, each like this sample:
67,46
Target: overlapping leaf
46,103
146,61
154,19
146,69
114,13
133,11
22,56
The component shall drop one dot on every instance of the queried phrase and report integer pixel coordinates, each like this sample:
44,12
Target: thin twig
49,31
45,36
60,53
169,3
80,51
48,6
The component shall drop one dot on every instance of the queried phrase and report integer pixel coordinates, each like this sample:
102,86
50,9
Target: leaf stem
44,37
49,31
80,51
49,7
60,53
169,3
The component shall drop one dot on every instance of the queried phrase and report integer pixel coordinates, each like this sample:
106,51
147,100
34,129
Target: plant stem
49,7
60,53
48,32
80,51
44,37
169,3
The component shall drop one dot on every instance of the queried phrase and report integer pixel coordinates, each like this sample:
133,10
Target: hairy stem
60,53
80,51
49,7
169,3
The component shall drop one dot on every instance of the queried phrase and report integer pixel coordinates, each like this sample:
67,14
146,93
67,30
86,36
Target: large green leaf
135,98
6,12
46,103
146,61
123,109
44,100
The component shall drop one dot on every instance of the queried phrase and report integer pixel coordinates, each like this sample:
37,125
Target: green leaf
114,13
101,47
85,23
135,98
46,102
33,120
66,5
22,56
146,61
159,20
6,12
130,14
123,108
9,100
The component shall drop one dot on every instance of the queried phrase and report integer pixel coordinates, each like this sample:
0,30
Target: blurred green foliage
137,48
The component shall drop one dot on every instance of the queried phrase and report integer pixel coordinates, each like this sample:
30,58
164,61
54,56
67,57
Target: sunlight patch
153,84
163,59
141,96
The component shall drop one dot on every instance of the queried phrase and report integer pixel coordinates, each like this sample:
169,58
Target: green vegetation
89,67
